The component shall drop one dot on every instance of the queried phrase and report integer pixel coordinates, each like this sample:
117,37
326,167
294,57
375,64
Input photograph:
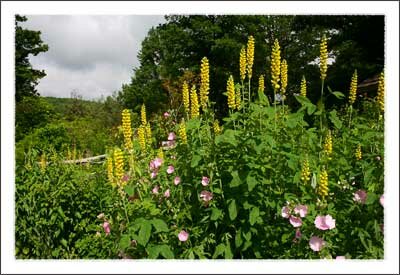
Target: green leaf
228,252
144,233
238,238
302,100
153,251
160,225
125,241
251,183
215,214
247,236
232,210
254,213
235,179
263,98
337,94
371,198
64,243
166,251
195,161
335,120
219,250
129,190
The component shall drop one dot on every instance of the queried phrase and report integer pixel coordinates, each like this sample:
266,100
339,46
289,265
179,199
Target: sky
88,55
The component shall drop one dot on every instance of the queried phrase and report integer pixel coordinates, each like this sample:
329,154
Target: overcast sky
91,55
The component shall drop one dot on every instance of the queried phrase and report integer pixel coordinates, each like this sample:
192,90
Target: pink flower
153,174
106,227
285,212
167,193
155,189
301,209
340,258
316,244
206,195
166,114
125,178
177,180
325,222
168,144
360,196
295,221
171,136
378,158
382,200
170,169
158,162
205,181
183,236
298,233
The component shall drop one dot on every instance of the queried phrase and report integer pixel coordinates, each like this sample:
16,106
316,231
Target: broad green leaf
144,233
219,250
335,120
232,210
195,161
215,214
235,179
238,238
153,251
159,225
129,190
337,94
64,243
302,100
251,183
254,213
125,241
166,251
228,252
247,236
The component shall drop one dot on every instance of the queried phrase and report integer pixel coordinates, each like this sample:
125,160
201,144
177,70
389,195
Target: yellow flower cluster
148,133
230,90
322,189
142,137
194,103
43,163
284,75
358,153
381,92
303,87
238,99
243,63
323,56
185,97
143,115
205,82
353,88
127,130
328,144
217,128
182,132
261,85
305,171
110,171
275,65
160,153
118,165
250,56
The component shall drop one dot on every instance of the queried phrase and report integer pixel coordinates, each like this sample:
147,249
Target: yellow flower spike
250,56
143,115
185,97
230,90
261,85
205,82
380,98
328,144
127,130
284,76
275,65
323,56
160,153
242,63
148,133
322,189
194,103
353,88
358,153
303,87
216,127
182,132
142,137
238,99
305,171
118,165
43,163
110,171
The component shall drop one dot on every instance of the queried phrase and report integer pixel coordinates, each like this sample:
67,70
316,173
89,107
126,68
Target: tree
26,42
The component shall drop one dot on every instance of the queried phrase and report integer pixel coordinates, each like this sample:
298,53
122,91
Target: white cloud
91,54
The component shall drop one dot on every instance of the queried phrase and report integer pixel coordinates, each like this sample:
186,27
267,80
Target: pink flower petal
340,258
360,196
106,227
166,114
295,221
285,212
170,169
177,180
167,193
183,236
205,181
155,190
206,195
301,209
382,200
324,222
171,136
298,233
316,243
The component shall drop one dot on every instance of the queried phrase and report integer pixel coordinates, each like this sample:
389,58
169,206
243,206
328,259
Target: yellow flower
305,171
323,56
217,128
127,130
118,165
250,56
194,103
43,163
160,153
238,99
182,132
261,85
142,137
148,133
143,115
275,65
243,63
358,153
353,88
284,76
230,89
185,97
380,98
303,88
328,144
110,170
322,188
205,82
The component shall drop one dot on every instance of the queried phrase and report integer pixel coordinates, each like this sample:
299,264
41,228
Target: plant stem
322,102
351,110
126,213
249,92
